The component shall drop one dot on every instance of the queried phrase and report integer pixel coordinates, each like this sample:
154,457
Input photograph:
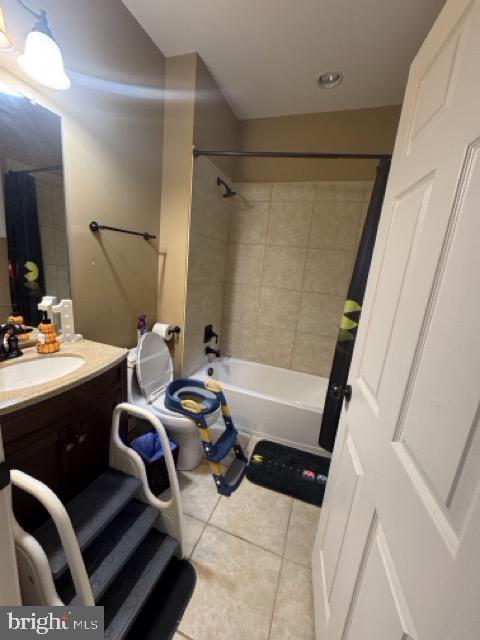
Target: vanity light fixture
6,43
42,60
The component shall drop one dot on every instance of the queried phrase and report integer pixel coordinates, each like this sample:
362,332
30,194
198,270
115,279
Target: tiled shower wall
291,251
270,268
53,233
207,258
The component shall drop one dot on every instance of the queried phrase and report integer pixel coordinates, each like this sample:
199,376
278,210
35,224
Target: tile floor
251,553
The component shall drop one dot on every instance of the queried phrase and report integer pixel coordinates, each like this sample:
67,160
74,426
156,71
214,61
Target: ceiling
266,55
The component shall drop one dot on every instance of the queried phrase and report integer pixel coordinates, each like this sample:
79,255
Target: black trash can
149,448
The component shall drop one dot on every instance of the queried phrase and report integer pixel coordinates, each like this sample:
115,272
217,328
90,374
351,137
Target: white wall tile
335,225
207,259
204,307
47,235
248,223
63,282
245,263
274,347
50,271
289,223
284,267
285,288
61,248
58,209
254,191
320,314
328,271
241,303
313,354
278,308
341,191
238,340
293,191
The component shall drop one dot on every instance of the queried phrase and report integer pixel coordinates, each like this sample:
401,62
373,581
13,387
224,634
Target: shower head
229,193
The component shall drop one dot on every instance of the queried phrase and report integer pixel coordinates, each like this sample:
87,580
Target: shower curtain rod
292,154
56,167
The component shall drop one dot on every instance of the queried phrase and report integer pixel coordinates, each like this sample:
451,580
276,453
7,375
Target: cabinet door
42,459
90,437
63,441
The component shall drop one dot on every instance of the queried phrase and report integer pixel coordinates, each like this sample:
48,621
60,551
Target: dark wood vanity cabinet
62,441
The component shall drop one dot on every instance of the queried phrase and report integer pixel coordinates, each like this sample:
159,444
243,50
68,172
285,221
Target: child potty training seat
197,399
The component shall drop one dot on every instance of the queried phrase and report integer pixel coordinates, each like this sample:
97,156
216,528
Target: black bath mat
296,473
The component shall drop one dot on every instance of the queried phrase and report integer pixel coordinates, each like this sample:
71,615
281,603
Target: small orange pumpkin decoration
47,337
18,319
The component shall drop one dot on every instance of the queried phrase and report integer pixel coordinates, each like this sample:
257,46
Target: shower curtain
27,281
351,314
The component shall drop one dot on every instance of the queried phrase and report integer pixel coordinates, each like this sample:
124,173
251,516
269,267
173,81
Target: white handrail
62,521
144,414
126,459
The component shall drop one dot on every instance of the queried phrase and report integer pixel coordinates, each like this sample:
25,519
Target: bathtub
285,406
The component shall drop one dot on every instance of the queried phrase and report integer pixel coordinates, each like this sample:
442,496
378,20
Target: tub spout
210,350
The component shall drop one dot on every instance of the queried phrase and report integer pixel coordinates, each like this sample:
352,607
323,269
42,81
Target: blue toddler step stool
197,399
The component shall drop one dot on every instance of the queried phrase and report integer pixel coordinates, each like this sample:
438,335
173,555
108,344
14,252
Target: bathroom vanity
58,431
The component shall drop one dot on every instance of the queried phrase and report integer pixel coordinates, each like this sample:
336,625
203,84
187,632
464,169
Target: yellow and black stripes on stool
197,400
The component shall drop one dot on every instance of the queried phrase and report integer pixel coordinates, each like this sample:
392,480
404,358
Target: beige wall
290,257
176,195
216,126
112,143
358,130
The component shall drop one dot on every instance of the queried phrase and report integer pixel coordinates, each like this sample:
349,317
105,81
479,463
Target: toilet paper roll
164,330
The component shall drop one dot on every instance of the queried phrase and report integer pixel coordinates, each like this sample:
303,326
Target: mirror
33,237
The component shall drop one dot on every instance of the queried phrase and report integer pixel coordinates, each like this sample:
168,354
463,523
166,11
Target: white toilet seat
154,365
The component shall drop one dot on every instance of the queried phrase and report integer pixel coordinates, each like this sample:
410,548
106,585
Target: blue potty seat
191,398
198,400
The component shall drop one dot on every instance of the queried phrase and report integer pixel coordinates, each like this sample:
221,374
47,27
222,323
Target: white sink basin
27,373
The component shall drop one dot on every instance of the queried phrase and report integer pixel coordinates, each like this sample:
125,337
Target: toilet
149,372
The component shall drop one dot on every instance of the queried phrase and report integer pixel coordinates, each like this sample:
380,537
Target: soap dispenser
47,336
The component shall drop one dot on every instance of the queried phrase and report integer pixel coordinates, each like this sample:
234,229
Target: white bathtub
286,406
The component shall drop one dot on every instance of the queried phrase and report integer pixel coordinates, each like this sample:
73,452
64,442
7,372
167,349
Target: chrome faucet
215,352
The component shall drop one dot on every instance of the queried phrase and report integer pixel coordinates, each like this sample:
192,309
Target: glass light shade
5,42
42,61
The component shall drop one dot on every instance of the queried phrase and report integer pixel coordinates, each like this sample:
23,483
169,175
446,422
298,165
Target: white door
397,551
